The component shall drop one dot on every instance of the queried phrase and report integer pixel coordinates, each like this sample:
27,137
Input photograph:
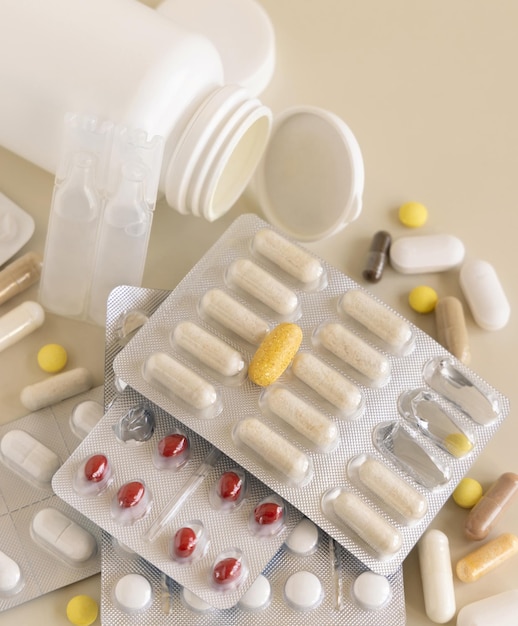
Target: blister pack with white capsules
330,397
44,543
311,579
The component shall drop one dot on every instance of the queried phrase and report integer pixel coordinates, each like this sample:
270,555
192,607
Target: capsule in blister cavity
283,457
234,316
437,576
394,492
319,430
373,529
274,354
288,256
451,328
487,558
355,353
377,257
329,384
29,458
172,377
264,287
11,578
486,513
426,253
392,329
208,349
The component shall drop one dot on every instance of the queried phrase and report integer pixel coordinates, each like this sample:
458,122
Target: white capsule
289,257
62,536
208,349
392,490
316,427
353,351
328,383
377,318
437,576
484,294
179,380
20,322
263,286
381,536
500,609
11,579
234,316
29,457
274,450
426,253
56,388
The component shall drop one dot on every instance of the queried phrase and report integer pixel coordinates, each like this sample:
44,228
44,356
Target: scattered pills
486,513
20,322
413,214
29,457
11,579
274,354
303,539
133,593
467,493
451,327
378,257
56,388
303,591
423,299
437,576
82,610
371,591
487,558
258,595
52,358
484,294
500,609
422,254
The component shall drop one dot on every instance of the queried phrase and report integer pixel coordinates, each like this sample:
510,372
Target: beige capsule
451,328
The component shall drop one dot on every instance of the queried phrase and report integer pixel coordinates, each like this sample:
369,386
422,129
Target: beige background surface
430,91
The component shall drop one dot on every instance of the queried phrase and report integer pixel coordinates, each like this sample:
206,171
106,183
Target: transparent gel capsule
136,426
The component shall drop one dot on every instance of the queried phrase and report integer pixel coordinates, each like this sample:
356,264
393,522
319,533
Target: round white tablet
258,596
133,593
303,591
195,603
371,591
303,539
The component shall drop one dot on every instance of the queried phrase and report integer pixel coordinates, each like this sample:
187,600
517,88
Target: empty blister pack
311,579
44,543
298,429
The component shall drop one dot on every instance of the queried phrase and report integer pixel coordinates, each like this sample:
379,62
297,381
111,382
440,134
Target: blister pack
311,579
44,543
367,431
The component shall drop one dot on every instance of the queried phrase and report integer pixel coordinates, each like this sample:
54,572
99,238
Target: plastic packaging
16,228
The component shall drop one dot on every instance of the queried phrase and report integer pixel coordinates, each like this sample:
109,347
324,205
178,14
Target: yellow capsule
486,558
275,354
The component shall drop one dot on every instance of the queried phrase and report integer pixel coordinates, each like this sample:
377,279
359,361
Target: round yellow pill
457,444
423,299
82,610
52,358
413,214
467,493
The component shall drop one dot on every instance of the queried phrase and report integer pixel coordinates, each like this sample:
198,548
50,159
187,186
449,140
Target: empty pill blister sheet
236,405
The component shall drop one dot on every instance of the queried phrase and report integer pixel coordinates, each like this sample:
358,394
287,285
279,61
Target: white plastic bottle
122,61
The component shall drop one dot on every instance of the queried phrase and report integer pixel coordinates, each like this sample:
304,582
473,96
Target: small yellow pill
467,493
274,354
82,610
413,214
423,299
486,558
457,444
52,358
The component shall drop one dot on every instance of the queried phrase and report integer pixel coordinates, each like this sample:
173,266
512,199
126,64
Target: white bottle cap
239,29
310,180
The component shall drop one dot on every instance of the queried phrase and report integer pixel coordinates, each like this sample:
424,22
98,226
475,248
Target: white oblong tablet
85,416
62,536
484,294
56,388
133,593
371,591
426,253
257,596
10,575
303,591
29,457
303,539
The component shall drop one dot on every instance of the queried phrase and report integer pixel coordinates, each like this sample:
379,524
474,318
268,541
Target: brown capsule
377,257
19,275
451,328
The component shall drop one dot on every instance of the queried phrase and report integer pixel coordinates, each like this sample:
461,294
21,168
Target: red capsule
130,494
173,445
185,541
226,570
268,513
96,468
230,485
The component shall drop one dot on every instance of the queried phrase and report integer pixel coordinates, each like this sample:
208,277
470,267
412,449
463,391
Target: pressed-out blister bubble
248,427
